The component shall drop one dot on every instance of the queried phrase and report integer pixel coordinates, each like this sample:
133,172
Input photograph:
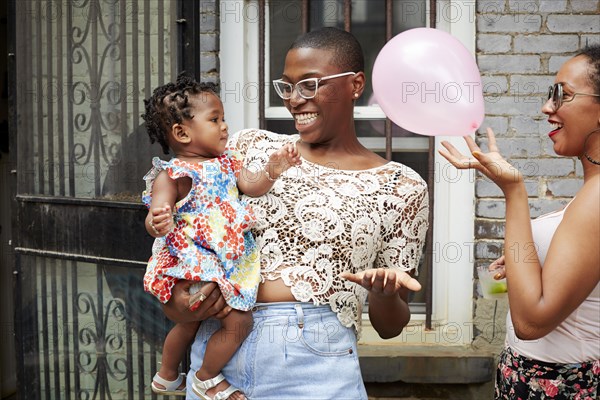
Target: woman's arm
541,298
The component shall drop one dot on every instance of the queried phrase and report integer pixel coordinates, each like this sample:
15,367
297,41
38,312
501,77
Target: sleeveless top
211,239
577,338
318,221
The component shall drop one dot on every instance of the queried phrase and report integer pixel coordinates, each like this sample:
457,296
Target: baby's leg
221,347
176,344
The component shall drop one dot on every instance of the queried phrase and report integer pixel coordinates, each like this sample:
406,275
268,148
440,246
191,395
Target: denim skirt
294,351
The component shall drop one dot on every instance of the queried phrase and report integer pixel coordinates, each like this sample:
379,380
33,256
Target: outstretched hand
491,164
283,159
383,281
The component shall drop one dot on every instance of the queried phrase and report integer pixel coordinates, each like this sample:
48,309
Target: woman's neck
345,155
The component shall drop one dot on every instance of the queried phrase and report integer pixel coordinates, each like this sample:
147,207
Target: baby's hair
170,105
347,53
592,53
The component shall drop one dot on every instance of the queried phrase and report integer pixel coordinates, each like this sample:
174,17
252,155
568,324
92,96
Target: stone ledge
426,364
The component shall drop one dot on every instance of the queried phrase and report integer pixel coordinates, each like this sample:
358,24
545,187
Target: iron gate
81,69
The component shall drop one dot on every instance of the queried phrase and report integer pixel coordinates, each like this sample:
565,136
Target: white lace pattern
318,221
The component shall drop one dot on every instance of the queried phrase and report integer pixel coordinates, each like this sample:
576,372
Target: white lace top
318,221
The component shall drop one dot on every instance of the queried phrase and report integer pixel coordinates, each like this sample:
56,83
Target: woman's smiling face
577,116
329,114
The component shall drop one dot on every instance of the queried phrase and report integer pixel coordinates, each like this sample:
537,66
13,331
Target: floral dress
521,378
211,239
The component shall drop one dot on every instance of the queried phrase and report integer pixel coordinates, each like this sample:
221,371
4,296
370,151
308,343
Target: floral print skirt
521,378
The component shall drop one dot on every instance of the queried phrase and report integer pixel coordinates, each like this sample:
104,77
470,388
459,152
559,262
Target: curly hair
170,104
592,53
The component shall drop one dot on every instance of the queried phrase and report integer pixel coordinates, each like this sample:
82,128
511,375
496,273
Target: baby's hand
282,159
161,221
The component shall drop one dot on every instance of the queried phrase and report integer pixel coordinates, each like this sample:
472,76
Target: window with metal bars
373,22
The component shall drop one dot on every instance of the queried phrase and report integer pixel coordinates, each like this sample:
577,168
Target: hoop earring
585,154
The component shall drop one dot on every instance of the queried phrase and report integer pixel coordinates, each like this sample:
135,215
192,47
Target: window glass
368,25
83,72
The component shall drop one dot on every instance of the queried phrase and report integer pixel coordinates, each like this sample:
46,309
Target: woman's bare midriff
274,291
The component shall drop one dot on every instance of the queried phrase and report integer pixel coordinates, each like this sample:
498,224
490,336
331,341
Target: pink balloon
427,82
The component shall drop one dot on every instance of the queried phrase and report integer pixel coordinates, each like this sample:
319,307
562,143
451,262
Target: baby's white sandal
201,387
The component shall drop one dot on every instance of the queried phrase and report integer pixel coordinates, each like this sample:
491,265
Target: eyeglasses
556,93
306,88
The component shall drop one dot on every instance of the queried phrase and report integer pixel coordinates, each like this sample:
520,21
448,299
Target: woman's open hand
383,281
491,164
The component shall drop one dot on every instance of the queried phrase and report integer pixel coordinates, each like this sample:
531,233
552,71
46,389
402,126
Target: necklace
590,159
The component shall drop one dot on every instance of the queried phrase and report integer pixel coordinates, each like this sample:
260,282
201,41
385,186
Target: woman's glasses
306,88
557,95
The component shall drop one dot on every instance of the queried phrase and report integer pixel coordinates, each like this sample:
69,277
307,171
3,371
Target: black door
80,71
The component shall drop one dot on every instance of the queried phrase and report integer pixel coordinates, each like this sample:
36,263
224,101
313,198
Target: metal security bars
84,68
79,73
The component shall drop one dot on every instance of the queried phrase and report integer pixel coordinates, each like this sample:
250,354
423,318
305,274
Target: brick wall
521,44
209,41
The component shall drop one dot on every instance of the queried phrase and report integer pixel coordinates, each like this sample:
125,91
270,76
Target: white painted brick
564,187
585,5
574,23
548,145
556,62
494,43
488,249
589,40
509,63
491,229
208,62
531,85
546,43
490,208
486,188
525,6
553,6
494,84
539,207
509,23
550,167
511,105
524,125
498,124
491,6
209,42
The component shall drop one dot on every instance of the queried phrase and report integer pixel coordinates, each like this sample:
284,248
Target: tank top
577,338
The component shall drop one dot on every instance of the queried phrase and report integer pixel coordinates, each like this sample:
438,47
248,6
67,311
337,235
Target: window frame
454,191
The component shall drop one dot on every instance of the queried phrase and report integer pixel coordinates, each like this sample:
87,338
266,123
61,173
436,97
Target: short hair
170,104
347,52
592,53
